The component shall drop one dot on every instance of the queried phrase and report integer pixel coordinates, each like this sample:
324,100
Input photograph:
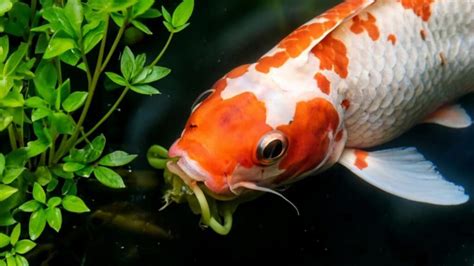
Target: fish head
229,145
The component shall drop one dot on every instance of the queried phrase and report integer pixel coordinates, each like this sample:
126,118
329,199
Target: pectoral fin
450,116
403,172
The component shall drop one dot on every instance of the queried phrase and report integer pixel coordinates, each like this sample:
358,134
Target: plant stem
58,69
114,45
105,117
11,136
163,50
51,152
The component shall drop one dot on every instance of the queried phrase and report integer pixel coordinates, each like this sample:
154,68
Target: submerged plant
45,149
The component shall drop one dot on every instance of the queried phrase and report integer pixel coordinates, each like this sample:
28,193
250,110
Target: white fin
450,116
403,172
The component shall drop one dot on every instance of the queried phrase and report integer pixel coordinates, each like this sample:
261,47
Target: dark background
343,221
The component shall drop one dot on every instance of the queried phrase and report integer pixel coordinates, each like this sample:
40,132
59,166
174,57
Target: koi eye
201,98
271,147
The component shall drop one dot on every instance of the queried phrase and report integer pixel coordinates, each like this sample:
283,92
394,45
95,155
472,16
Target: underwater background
343,220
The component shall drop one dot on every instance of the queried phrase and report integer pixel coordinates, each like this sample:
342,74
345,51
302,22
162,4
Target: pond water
343,220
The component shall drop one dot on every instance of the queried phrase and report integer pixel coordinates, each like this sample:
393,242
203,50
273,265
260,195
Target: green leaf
69,187
62,93
11,260
142,27
39,113
118,18
71,57
45,80
43,175
4,47
15,59
64,124
13,99
35,102
151,74
166,14
41,43
54,218
58,20
73,11
85,172
117,158
108,177
74,204
38,193
93,36
151,13
127,63
58,46
23,246
141,7
6,191
36,147
182,13
21,261
15,234
168,26
5,6
4,240
58,171
30,206
37,224
2,163
95,148
5,119
11,174
74,101
144,89
109,6
54,202
117,79
52,185
72,166
180,28
18,21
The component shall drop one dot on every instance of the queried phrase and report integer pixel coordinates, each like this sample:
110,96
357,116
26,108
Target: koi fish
355,77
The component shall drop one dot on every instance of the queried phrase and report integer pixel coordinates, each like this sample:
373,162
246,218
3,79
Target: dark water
343,221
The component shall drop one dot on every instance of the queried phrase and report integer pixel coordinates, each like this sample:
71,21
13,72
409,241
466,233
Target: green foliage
43,106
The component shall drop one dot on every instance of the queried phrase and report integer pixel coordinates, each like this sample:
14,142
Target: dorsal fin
304,38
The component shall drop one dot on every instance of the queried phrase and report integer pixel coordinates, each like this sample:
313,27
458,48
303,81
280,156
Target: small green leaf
73,11
39,113
42,133
45,80
180,28
109,6
11,174
3,263
72,166
69,187
37,224
182,13
21,261
4,47
169,27
166,14
74,204
118,18
127,63
117,79
6,191
30,206
93,34
151,13
23,246
52,185
64,124
74,101
62,93
42,43
2,163
72,57
141,7
5,119
58,46
108,177
36,147
11,260
151,74
15,59
43,175
35,102
4,240
117,158
58,171
15,234
54,218
38,193
54,202
85,172
12,99
58,20
142,27
95,148
144,89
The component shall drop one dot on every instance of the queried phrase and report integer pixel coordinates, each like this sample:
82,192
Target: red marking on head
423,34
238,71
361,161
368,25
224,134
421,8
300,39
346,104
332,55
392,38
308,136
323,83
339,135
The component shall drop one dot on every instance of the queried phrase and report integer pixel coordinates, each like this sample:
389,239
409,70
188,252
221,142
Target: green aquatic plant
45,149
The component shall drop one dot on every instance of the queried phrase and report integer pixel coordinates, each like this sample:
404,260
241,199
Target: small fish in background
355,77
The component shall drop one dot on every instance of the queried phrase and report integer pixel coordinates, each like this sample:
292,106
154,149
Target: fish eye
201,98
271,147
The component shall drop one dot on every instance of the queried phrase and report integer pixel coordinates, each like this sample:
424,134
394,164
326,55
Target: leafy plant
43,109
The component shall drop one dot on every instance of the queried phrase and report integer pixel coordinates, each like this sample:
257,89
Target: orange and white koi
357,76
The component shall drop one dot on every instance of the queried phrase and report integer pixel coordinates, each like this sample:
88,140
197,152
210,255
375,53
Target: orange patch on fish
392,38
308,136
346,104
421,8
361,161
360,25
332,55
323,83
265,63
238,71
241,115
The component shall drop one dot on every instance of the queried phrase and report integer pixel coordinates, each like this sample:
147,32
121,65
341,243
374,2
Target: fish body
356,76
